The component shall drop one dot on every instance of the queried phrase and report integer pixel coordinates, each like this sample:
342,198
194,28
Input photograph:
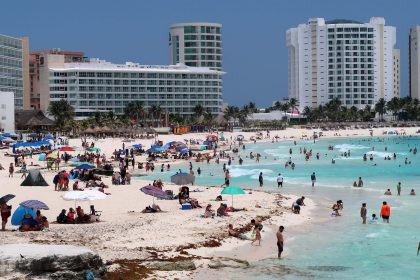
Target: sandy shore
126,233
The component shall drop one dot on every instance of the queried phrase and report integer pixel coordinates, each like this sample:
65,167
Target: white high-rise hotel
355,62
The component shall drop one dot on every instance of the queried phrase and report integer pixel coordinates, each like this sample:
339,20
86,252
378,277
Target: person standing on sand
280,240
280,181
385,212
363,213
257,235
399,188
11,170
313,179
261,179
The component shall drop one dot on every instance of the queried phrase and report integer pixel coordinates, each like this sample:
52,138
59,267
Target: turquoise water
336,248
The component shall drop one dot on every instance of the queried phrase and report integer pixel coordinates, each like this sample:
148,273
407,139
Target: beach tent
19,213
182,179
33,179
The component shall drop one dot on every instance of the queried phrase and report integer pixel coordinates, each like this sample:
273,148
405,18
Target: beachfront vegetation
62,112
405,108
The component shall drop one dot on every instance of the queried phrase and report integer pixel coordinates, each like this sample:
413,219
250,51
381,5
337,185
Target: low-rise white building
7,111
99,85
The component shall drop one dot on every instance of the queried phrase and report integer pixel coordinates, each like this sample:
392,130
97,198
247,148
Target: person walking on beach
280,240
385,212
261,179
11,170
313,179
363,213
399,188
280,181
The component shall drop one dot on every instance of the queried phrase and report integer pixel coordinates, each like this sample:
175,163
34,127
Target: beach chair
94,214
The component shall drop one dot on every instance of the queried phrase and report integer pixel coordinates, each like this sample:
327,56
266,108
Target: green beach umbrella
233,190
94,149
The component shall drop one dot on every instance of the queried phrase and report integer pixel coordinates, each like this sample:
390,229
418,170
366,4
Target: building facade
196,44
355,62
103,86
36,58
7,111
414,62
14,67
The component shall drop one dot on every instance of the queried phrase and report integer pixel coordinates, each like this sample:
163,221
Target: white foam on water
372,235
379,154
349,147
239,172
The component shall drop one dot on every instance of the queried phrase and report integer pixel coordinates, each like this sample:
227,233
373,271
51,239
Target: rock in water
51,261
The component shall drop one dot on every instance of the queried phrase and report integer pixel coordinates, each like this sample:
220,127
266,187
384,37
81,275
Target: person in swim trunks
385,212
280,240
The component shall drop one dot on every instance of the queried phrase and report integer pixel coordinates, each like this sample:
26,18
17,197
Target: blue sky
255,56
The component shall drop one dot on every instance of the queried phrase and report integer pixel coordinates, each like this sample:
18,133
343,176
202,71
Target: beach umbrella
51,155
2,138
6,198
86,195
7,134
232,190
154,192
35,204
85,166
137,146
94,149
182,179
66,149
19,213
49,136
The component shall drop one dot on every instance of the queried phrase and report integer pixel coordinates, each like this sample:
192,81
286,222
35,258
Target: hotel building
14,68
36,58
352,61
414,61
196,44
98,85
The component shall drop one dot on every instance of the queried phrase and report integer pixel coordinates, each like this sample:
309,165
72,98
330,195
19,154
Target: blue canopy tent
155,149
30,144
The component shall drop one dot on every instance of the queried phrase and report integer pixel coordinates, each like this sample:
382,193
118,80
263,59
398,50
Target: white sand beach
126,233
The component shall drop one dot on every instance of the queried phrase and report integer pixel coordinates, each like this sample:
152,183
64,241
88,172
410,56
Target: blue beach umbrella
35,204
7,134
19,213
85,166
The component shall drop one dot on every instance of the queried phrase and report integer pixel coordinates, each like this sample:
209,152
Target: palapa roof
31,118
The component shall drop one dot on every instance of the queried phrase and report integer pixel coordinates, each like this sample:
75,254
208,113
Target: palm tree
394,105
380,108
252,107
208,117
158,113
293,103
285,106
198,110
134,110
62,112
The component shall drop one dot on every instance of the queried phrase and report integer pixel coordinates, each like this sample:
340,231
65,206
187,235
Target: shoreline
127,234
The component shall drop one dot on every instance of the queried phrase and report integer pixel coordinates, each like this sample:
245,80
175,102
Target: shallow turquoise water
339,248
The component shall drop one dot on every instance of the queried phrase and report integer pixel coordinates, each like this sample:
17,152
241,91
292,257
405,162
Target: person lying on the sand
235,233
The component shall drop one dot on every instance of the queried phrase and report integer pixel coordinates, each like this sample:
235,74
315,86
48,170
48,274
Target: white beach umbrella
86,195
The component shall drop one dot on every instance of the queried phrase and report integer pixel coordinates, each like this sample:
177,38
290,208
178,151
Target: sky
253,33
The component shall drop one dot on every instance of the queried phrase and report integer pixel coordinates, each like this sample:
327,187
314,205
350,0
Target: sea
331,247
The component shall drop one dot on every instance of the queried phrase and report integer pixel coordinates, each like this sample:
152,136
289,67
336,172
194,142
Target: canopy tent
176,145
182,179
34,179
155,149
31,144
